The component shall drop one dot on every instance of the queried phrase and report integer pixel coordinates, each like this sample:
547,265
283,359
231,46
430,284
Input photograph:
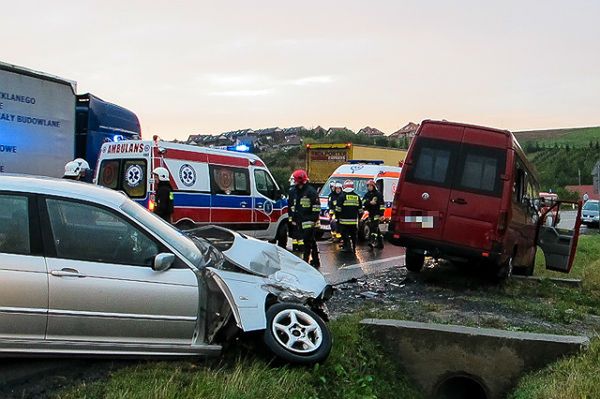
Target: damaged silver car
86,271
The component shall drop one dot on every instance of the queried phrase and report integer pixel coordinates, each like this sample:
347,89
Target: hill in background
574,137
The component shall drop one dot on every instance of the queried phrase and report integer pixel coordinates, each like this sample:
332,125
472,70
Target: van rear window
479,170
433,160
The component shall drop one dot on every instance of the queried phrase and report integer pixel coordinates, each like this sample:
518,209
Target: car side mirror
162,262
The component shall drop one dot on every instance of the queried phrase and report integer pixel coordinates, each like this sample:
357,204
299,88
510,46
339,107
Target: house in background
371,132
409,131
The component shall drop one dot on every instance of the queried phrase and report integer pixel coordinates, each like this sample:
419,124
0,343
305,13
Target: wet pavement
338,267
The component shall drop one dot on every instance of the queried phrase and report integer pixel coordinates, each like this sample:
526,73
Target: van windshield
128,175
591,206
360,185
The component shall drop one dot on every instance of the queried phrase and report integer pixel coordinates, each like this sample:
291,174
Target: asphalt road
30,378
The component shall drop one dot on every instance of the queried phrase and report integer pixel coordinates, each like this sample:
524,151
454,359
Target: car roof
61,187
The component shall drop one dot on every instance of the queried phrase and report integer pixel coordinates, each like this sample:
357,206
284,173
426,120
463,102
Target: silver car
85,270
589,214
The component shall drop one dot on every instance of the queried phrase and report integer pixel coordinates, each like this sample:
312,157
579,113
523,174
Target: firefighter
84,169
374,205
295,233
164,193
348,208
331,203
76,169
306,216
72,171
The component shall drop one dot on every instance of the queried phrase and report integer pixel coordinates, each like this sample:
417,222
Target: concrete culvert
460,387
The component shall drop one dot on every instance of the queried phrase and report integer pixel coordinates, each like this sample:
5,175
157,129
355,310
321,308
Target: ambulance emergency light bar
365,161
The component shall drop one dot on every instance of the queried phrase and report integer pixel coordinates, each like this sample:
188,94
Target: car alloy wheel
297,331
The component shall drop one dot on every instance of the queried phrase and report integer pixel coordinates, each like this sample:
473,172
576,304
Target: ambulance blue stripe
203,200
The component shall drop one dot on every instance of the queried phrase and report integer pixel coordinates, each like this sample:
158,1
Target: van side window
519,185
230,181
264,184
480,169
433,161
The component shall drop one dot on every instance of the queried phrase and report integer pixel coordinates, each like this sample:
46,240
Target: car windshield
360,185
591,206
196,250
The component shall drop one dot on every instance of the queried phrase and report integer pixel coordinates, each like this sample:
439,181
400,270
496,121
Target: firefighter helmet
348,186
300,176
162,173
72,169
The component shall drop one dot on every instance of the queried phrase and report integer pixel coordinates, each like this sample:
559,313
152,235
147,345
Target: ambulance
360,172
211,186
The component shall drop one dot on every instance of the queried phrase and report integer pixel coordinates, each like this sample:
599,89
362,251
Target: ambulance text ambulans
211,186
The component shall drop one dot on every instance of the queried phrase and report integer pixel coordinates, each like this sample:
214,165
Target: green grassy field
576,377
577,137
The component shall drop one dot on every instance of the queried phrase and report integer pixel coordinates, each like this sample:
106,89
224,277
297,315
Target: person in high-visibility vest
348,208
164,194
336,191
306,216
295,233
374,205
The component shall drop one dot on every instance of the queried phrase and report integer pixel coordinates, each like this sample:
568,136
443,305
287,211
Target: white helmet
292,181
82,164
162,173
72,169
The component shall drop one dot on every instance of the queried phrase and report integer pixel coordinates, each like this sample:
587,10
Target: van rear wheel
414,260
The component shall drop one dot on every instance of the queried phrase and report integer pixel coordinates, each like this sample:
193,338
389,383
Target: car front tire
296,334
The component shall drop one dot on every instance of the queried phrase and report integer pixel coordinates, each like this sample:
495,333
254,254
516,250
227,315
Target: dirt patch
443,293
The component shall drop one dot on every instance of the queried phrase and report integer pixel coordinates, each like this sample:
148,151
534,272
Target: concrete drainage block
451,361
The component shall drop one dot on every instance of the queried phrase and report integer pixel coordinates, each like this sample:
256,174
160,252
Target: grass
576,377
571,378
356,368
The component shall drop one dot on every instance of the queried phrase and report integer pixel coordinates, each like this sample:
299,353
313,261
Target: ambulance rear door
125,166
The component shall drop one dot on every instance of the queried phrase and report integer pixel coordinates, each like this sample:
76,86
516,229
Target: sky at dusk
187,67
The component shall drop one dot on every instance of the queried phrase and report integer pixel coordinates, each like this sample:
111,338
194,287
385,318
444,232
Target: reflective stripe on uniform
305,202
348,221
316,208
171,196
308,225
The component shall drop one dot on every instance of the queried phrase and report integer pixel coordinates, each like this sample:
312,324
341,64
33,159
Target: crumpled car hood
276,264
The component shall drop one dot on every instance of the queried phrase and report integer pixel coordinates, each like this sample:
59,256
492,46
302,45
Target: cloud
310,80
235,80
243,93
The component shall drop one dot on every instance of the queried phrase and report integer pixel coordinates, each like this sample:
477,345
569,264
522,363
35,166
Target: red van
468,193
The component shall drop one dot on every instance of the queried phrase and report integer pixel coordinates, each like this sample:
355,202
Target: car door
425,191
264,203
231,200
476,196
23,277
559,244
101,284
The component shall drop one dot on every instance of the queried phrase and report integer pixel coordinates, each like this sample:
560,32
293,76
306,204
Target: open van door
559,245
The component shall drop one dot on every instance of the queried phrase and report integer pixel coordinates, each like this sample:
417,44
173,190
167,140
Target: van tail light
502,221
